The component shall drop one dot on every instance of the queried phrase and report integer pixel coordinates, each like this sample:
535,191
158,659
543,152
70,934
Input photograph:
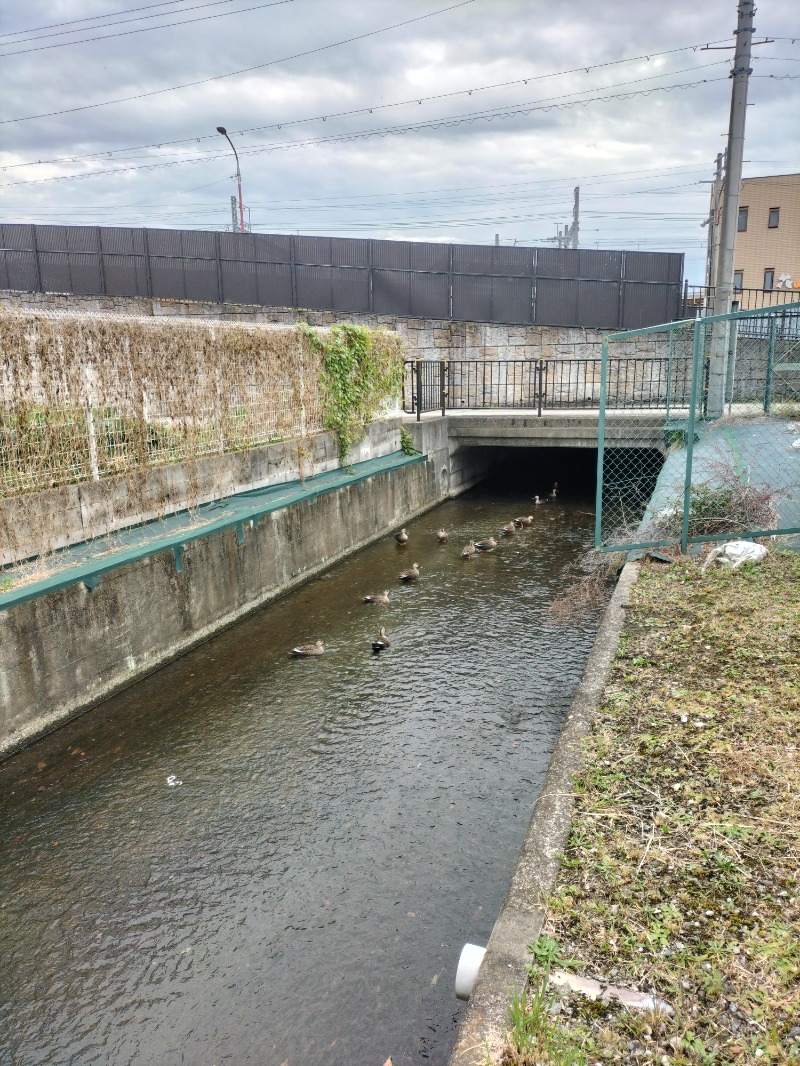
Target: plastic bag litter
735,553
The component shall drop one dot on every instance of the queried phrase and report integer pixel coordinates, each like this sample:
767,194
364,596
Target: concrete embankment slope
102,615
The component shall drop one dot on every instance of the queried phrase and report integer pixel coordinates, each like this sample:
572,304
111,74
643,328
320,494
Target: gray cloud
641,162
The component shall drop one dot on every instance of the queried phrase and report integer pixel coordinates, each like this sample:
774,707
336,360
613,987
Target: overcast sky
125,103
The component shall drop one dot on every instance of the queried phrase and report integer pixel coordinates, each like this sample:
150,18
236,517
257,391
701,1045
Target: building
767,262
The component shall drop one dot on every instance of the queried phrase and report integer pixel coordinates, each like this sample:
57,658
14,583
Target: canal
248,858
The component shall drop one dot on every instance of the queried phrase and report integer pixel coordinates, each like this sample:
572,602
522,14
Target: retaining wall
425,338
64,652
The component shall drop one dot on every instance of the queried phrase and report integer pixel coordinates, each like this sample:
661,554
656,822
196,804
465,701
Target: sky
429,120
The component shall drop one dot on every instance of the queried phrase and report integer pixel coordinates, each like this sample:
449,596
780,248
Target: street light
224,132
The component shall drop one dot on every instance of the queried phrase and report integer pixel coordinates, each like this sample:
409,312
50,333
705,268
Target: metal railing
542,385
699,299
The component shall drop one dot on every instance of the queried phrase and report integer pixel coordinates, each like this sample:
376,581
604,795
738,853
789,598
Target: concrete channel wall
64,652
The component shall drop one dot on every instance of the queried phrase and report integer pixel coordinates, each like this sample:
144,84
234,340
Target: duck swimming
508,529
410,575
401,537
379,597
468,550
381,641
441,536
487,545
302,651
524,520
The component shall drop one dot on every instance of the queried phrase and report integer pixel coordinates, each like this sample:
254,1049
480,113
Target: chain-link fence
719,455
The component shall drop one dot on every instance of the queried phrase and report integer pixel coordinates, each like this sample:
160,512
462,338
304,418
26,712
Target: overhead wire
244,70
364,134
94,18
144,29
369,109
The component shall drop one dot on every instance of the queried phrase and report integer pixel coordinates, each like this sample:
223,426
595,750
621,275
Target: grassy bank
680,877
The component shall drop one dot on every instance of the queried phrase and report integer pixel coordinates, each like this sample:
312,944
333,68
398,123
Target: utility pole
713,222
568,237
234,223
576,212
723,279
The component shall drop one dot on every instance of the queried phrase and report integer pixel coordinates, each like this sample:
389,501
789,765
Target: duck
554,491
468,550
401,537
379,597
524,520
441,536
381,641
487,545
410,575
508,529
537,500
302,651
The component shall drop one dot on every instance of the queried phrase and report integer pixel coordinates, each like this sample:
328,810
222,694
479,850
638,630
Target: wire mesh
86,397
709,446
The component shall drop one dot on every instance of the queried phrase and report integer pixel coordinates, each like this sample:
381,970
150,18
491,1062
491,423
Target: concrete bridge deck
520,428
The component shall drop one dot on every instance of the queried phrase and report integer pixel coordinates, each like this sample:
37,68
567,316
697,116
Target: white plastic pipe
468,965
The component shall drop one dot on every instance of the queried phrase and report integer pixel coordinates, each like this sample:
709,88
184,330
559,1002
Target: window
774,215
769,279
742,219
738,279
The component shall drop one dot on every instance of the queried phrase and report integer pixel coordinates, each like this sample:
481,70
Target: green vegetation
361,370
407,442
680,875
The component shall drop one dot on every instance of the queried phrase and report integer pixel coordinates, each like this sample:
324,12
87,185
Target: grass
680,876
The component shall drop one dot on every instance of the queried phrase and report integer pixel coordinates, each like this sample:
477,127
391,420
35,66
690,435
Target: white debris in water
172,781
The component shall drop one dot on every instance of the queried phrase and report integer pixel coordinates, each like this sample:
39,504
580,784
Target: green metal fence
715,455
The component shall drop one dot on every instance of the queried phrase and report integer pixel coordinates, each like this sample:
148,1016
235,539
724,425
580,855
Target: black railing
544,384
699,299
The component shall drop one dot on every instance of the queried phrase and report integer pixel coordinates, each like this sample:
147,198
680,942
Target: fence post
94,466
541,387
669,370
443,385
601,439
773,326
697,353
147,265
419,389
36,260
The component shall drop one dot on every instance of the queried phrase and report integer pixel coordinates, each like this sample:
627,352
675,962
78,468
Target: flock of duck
411,574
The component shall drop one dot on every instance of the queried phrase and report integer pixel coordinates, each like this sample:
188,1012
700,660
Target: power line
383,107
144,29
244,70
366,134
93,18
369,109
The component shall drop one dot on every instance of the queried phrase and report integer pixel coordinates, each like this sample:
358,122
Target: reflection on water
342,826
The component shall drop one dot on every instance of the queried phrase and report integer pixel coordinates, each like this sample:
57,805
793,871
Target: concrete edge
482,1030
24,737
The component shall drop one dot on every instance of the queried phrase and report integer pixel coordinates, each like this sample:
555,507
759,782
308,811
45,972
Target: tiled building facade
768,237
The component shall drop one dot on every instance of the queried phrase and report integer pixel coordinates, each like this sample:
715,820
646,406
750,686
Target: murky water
342,826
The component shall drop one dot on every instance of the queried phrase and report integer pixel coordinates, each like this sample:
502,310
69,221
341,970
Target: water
342,826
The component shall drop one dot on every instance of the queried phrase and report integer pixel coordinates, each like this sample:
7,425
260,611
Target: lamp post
224,132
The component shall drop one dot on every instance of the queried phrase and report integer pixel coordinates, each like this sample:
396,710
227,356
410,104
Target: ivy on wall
106,398
361,370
